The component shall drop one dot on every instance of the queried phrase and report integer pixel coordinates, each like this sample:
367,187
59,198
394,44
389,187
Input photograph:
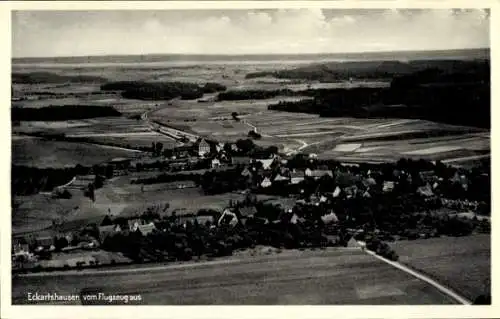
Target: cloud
246,31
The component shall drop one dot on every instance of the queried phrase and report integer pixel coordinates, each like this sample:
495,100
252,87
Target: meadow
461,263
322,277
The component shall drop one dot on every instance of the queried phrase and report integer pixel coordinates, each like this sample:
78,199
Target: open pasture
124,198
461,263
43,153
321,277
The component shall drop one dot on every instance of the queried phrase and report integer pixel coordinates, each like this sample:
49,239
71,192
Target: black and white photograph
250,156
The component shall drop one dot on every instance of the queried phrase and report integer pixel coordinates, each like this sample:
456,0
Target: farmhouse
336,192
247,211
318,173
296,177
266,163
425,191
280,178
236,160
330,218
246,172
105,231
203,148
146,229
120,163
203,219
388,187
45,241
215,163
228,218
266,183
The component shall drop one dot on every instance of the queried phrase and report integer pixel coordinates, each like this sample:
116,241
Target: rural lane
420,276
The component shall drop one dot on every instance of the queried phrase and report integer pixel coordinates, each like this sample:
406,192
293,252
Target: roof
266,163
280,178
109,228
330,218
203,219
336,192
241,160
297,174
425,190
352,243
247,211
369,182
203,142
320,173
119,160
266,181
388,186
146,229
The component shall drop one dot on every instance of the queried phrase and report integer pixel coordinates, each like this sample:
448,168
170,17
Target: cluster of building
30,248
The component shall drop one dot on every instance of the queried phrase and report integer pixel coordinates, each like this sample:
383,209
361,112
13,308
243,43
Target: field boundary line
422,277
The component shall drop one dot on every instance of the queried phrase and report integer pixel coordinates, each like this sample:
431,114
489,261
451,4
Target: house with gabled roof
203,148
215,163
246,172
105,231
241,160
425,191
281,178
228,217
330,218
336,192
146,228
296,177
266,163
247,211
266,182
388,186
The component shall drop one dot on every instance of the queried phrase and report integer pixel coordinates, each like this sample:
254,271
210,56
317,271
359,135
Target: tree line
161,90
430,94
62,113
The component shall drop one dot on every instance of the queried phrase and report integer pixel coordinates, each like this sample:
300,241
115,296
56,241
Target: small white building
266,182
215,163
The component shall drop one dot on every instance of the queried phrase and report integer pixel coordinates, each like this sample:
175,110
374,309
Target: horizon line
243,54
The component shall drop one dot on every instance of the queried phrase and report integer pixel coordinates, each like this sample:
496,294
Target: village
328,204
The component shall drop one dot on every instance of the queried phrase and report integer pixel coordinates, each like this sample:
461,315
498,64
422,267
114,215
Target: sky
280,31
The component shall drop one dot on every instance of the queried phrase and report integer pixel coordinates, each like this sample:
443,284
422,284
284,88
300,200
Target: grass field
321,277
379,139
127,199
461,263
43,153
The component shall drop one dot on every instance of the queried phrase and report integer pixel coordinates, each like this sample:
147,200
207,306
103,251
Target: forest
430,94
162,90
48,77
62,113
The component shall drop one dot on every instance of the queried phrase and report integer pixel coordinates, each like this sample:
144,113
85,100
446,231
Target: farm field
44,153
36,212
345,139
322,277
461,263
126,199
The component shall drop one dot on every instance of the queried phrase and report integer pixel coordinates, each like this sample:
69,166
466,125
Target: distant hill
482,53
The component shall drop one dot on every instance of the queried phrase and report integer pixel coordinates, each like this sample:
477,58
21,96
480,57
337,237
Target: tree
159,148
106,221
246,146
109,171
98,181
235,116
